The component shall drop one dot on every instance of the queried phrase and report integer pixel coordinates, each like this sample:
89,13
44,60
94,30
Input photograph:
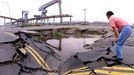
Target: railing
37,20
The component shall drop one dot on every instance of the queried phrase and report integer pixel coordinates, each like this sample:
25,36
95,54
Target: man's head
109,13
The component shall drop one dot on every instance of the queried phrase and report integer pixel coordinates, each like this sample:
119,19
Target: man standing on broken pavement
122,31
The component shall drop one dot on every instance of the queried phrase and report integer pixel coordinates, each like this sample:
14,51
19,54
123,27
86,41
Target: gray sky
96,9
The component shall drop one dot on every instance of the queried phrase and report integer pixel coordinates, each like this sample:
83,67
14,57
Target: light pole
84,16
60,11
8,7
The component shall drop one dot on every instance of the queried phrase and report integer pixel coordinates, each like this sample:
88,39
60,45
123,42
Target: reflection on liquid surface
72,45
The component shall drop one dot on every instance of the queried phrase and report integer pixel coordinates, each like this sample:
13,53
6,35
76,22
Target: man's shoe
114,56
120,59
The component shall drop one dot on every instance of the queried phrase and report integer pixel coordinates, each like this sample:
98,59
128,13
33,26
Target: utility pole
60,11
84,16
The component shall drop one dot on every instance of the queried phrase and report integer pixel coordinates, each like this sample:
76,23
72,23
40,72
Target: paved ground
41,58
16,29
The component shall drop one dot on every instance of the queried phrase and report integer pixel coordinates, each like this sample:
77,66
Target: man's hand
115,40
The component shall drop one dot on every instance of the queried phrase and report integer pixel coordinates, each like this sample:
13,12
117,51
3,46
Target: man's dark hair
109,13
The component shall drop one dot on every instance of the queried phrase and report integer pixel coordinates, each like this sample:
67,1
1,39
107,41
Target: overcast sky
96,9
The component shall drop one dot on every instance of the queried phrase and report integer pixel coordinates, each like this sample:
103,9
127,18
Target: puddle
72,45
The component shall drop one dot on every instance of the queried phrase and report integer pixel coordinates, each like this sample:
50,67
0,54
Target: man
122,31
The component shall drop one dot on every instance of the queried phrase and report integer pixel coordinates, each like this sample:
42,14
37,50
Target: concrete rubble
100,54
21,53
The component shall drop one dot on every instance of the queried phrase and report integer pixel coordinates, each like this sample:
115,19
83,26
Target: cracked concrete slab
33,73
9,69
7,52
7,37
29,61
96,57
99,51
102,43
70,64
91,55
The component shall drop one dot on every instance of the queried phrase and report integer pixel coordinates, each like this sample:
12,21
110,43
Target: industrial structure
43,18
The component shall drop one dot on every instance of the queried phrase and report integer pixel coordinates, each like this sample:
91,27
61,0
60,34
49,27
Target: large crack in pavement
100,54
27,55
20,62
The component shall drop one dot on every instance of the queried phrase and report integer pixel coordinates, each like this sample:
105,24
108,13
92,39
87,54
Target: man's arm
112,21
116,32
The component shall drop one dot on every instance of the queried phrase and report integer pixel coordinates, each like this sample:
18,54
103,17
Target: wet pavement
22,54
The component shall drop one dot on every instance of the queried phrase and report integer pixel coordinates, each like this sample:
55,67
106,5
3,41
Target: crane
44,6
